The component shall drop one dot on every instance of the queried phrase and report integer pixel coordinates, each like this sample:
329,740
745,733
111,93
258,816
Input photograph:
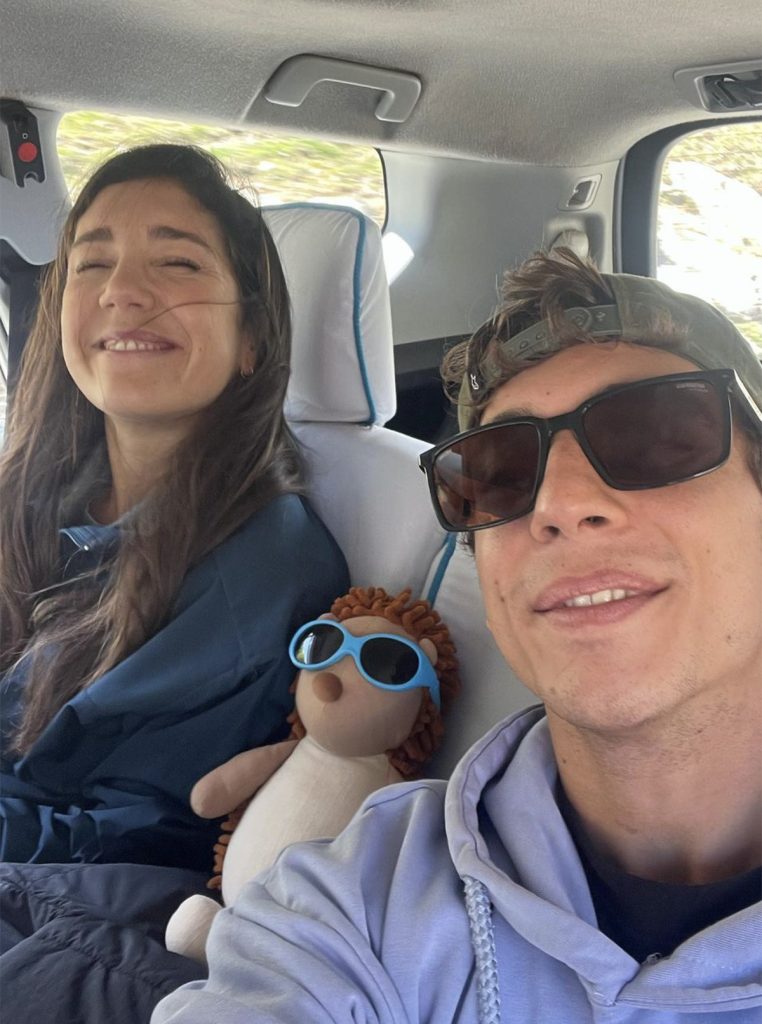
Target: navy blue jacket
109,778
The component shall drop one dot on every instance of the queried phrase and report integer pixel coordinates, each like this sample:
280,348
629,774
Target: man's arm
365,929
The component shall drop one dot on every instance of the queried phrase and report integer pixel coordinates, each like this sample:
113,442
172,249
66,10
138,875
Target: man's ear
430,648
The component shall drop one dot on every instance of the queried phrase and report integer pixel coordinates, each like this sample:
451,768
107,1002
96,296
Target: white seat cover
490,690
365,482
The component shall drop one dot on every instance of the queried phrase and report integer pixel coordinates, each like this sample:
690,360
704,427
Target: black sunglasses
652,433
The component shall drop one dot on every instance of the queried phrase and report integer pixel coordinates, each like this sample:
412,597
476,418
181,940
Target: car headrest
342,365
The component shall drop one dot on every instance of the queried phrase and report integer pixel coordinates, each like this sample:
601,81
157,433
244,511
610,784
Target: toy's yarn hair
419,620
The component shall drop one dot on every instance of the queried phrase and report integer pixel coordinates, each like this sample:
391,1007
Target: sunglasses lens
317,644
660,433
389,661
488,477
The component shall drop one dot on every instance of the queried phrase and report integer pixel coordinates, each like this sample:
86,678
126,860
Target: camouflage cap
704,335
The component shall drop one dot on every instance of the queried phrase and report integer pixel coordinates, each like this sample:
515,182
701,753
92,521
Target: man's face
688,557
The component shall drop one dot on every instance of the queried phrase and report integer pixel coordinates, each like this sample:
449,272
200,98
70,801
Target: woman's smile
136,341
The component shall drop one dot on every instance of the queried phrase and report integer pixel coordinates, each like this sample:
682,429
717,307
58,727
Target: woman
156,552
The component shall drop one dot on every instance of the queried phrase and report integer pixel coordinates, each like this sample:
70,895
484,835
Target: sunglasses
652,433
385,660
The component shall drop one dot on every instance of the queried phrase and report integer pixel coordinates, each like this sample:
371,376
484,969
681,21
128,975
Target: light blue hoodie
373,926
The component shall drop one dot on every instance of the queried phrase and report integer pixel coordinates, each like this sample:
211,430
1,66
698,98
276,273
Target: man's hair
419,620
239,456
542,289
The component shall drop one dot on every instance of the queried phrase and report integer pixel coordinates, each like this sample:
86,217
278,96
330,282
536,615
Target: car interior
501,127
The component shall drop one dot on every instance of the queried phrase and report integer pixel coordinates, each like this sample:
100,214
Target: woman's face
150,321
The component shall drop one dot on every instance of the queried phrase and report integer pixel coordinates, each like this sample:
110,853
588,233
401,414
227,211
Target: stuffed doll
374,677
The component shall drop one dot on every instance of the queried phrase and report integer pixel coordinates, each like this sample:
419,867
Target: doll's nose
326,687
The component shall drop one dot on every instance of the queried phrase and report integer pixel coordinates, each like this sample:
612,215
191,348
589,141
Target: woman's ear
247,362
328,615
430,648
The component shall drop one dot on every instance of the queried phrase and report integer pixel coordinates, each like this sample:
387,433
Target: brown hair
419,620
542,288
239,457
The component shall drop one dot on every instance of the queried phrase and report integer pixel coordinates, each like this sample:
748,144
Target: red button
27,152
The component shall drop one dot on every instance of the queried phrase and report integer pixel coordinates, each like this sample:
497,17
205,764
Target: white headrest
342,365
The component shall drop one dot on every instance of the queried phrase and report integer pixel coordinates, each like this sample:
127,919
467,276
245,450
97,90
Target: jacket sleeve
338,931
131,828
279,960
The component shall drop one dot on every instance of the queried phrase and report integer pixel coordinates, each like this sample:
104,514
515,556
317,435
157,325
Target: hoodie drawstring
479,910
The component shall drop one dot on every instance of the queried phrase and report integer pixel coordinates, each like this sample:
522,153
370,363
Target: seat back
490,690
365,481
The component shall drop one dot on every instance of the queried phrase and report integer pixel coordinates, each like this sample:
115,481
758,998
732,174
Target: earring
249,372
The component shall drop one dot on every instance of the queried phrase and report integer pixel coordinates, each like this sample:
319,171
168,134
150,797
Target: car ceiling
510,80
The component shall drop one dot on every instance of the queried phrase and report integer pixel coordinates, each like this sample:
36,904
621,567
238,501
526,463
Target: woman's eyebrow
96,235
160,231
165,231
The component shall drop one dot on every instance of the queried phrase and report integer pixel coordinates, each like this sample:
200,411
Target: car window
710,221
280,168
4,322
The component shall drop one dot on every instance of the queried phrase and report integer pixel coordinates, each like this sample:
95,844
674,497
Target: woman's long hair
239,456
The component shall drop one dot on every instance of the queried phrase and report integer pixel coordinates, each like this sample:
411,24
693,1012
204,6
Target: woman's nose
126,286
327,687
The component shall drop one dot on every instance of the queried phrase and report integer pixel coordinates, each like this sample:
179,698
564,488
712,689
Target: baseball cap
701,333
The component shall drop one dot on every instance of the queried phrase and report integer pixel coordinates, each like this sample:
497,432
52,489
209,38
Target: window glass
710,221
278,168
4,320
3,404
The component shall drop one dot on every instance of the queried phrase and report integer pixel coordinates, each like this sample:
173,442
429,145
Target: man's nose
572,497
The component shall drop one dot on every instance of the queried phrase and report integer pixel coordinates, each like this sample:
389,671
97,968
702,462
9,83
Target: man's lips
135,341
595,590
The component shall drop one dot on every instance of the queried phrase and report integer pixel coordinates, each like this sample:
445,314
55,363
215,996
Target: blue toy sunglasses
385,660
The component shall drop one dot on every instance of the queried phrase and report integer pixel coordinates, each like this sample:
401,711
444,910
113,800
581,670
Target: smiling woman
151,526
150,322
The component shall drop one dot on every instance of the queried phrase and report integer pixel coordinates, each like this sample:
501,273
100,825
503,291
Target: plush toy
375,675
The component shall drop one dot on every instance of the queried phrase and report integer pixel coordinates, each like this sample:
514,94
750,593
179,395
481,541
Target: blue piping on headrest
448,549
356,284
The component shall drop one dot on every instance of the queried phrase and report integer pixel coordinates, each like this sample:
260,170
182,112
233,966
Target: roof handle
722,88
290,85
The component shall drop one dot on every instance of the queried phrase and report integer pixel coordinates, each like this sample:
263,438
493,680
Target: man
597,859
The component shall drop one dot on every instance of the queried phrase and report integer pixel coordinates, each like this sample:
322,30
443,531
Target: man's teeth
599,597
131,345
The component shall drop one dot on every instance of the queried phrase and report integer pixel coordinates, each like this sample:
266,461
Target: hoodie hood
506,833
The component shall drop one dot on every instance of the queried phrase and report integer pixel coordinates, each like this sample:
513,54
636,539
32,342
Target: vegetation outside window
710,221
279,168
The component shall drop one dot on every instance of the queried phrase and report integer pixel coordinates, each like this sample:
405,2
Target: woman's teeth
130,345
